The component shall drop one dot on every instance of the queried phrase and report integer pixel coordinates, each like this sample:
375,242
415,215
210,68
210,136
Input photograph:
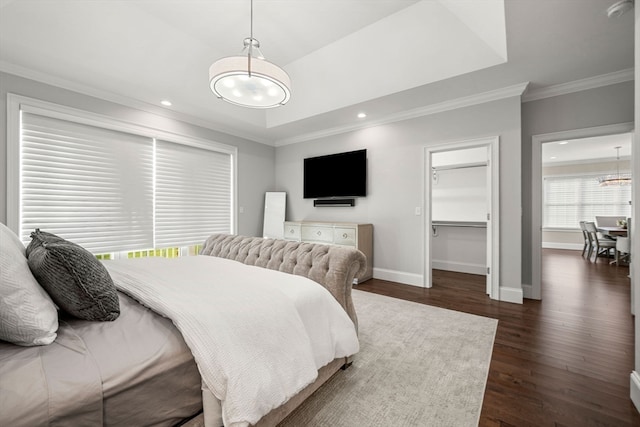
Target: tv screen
336,175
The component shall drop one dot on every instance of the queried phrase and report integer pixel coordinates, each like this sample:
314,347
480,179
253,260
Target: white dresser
359,236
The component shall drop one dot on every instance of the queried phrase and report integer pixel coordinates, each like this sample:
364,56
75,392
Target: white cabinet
359,236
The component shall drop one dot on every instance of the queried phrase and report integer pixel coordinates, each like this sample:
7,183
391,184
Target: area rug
418,366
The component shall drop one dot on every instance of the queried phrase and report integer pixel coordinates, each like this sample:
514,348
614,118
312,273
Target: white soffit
597,148
423,43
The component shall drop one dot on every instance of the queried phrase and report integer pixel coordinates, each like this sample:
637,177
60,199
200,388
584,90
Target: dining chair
600,246
623,246
608,221
588,247
622,250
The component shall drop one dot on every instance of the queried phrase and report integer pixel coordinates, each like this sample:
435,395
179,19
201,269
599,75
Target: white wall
460,195
462,249
395,182
255,161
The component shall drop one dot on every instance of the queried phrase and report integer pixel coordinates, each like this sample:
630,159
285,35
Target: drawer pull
319,233
345,235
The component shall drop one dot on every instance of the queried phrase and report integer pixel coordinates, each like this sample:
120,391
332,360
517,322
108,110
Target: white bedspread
257,335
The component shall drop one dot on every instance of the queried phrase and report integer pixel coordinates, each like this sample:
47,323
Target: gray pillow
74,279
39,237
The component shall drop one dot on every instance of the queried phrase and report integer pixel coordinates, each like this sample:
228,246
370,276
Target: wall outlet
418,211
241,209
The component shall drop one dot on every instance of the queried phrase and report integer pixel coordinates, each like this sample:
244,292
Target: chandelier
617,179
248,79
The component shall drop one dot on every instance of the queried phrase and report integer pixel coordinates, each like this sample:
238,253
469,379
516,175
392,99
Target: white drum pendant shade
264,86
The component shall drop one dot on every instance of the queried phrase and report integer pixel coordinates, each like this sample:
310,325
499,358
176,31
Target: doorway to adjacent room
573,161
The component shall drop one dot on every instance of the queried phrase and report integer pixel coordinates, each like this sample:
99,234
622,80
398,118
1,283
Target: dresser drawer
317,233
344,236
291,231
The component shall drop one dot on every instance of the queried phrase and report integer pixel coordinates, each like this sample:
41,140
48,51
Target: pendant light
248,79
617,179
619,8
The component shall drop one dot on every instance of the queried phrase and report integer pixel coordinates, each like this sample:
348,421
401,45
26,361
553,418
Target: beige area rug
417,366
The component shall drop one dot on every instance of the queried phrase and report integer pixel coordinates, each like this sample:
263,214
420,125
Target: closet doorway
461,210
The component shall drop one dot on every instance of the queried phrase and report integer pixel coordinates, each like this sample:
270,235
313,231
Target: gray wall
590,108
395,170
255,161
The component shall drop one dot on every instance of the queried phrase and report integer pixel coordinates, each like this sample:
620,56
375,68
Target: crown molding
453,104
580,85
48,79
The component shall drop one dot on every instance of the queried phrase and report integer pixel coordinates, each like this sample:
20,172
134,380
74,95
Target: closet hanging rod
460,166
470,224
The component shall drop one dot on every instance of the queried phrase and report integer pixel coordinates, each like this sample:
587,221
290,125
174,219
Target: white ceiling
601,148
384,57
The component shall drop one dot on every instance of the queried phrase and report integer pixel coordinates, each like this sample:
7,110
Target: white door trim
493,255
534,291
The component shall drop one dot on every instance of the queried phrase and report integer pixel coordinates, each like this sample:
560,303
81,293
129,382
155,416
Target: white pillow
27,314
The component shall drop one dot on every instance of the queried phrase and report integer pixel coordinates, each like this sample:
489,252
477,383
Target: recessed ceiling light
563,142
362,115
553,157
166,103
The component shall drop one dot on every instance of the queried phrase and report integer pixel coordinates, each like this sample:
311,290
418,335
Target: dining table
613,231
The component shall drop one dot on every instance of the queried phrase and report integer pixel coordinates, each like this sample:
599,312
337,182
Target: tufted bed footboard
334,267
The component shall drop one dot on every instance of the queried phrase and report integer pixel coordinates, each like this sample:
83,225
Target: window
192,194
92,186
571,199
111,186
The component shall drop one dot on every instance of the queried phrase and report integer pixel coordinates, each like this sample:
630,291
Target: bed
146,366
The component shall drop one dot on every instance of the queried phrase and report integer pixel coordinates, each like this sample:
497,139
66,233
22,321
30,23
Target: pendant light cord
250,49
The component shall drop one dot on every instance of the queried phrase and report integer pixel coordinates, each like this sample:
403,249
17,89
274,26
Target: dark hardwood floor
562,361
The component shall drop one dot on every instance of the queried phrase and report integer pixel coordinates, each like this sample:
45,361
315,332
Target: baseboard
399,276
511,294
507,294
635,389
569,246
460,267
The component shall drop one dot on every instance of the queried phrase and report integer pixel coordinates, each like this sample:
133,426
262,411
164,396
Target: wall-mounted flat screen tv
336,175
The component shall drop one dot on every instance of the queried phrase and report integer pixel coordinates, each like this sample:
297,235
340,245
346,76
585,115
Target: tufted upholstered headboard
334,267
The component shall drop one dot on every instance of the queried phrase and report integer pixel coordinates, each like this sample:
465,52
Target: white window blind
110,187
90,185
193,194
571,199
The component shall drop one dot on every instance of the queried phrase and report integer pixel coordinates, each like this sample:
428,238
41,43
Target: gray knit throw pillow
74,279
39,237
